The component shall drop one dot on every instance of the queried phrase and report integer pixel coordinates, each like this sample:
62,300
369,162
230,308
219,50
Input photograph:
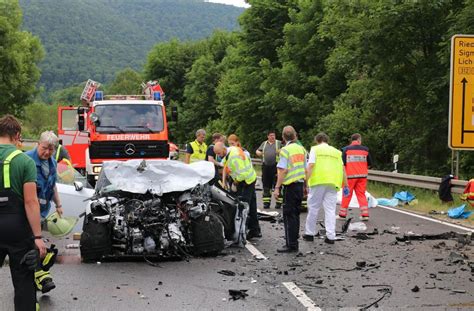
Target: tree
19,56
127,81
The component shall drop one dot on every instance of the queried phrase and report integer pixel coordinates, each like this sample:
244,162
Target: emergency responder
20,229
234,141
46,188
196,150
61,153
242,172
357,160
211,155
325,176
291,174
269,151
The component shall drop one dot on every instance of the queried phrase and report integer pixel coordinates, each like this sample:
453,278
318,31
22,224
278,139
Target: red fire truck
115,127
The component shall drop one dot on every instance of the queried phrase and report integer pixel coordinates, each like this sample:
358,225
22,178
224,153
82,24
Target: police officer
240,168
291,174
20,229
47,192
196,150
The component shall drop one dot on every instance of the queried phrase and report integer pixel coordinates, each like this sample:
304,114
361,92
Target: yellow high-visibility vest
199,151
329,168
296,157
240,166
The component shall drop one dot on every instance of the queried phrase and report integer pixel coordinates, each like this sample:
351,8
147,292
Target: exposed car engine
175,224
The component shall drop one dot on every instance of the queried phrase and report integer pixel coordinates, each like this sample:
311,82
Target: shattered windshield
129,118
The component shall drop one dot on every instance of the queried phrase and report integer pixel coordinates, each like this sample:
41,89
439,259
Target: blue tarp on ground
388,202
404,196
458,212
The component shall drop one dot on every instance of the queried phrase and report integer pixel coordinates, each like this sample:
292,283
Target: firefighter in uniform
42,155
291,174
20,229
196,150
240,168
269,151
325,175
357,160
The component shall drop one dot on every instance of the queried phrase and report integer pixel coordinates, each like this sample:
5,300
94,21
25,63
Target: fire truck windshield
129,118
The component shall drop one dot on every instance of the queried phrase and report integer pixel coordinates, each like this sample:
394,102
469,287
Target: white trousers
325,196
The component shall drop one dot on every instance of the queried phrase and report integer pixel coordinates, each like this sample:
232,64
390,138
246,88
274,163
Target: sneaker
266,206
339,217
286,249
309,238
364,218
278,206
328,241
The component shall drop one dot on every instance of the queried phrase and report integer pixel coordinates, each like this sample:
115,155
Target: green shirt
22,169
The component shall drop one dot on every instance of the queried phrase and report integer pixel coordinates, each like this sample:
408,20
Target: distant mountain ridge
96,38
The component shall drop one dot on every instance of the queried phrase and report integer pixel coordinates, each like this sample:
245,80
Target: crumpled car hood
157,176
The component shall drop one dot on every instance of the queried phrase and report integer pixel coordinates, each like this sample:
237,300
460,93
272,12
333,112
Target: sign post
461,101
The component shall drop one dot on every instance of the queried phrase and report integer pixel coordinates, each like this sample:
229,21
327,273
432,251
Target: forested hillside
96,38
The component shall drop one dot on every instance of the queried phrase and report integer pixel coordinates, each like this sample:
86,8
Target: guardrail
417,181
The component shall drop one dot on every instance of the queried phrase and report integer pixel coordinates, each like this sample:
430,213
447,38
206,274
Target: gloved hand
345,191
30,259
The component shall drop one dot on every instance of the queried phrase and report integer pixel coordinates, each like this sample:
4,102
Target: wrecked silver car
160,209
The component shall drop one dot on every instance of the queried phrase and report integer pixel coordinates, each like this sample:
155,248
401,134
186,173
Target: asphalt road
392,270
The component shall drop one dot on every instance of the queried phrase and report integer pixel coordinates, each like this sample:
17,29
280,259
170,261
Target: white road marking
427,218
301,296
255,252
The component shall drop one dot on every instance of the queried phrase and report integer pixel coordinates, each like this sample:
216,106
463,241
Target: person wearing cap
196,150
47,191
20,227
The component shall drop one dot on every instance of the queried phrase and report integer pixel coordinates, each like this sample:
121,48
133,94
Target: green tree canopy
20,53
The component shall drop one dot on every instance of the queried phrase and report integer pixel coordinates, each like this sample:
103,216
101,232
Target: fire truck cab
116,127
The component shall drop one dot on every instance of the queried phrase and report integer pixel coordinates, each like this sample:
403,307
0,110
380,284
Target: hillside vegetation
96,38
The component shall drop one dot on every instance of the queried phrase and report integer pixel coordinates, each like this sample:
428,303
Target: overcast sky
240,3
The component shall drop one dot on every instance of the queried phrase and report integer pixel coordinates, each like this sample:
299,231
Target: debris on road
386,290
267,216
465,238
226,272
415,289
357,226
236,294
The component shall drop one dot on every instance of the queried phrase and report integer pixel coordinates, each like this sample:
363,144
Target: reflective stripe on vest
6,168
240,166
58,151
295,156
356,160
328,169
199,151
